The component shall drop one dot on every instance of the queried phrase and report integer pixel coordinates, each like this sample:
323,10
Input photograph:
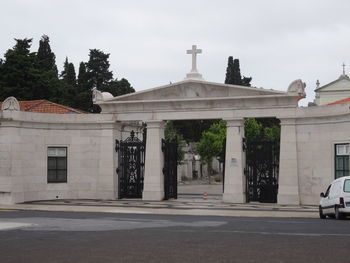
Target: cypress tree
233,74
82,77
237,78
84,94
229,71
68,73
46,58
69,87
48,85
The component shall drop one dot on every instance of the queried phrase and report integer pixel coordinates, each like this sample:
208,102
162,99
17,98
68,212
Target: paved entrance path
195,188
190,202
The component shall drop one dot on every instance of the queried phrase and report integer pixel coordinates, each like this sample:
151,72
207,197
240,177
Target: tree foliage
233,74
18,73
193,129
171,133
211,144
262,129
97,69
30,75
46,58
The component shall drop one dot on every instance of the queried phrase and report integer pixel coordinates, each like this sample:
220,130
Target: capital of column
155,124
239,122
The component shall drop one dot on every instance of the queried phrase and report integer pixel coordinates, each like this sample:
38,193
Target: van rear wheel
322,216
338,215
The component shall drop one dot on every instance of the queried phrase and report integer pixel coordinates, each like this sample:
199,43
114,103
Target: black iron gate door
131,164
261,171
169,148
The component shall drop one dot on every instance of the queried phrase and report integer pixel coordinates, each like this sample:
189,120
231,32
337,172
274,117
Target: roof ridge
32,105
332,82
63,106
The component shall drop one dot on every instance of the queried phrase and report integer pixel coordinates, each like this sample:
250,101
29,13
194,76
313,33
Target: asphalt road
29,236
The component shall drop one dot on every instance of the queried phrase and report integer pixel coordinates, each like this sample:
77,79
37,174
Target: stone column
288,181
153,188
234,163
117,135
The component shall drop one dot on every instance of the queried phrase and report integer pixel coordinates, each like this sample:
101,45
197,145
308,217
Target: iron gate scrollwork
169,148
261,171
131,166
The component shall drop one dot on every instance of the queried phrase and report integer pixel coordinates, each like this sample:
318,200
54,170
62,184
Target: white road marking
290,222
280,233
12,225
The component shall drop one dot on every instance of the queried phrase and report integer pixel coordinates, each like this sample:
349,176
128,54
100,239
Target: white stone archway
198,99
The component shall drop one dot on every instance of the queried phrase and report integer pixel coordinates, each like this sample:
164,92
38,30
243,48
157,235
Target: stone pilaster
288,181
234,163
153,188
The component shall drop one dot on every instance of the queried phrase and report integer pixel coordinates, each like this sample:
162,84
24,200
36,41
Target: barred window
341,160
57,164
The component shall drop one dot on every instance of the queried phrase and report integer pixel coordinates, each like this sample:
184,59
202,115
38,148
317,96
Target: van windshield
347,186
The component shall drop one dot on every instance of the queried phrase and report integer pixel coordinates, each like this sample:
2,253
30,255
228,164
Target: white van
335,202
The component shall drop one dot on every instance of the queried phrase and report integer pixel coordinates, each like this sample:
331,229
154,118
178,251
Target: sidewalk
186,204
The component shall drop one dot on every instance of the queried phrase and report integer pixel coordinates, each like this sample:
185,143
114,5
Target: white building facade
338,89
52,156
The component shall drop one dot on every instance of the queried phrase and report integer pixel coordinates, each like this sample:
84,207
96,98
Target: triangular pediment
341,84
195,89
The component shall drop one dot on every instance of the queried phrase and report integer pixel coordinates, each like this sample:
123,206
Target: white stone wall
91,159
331,96
316,138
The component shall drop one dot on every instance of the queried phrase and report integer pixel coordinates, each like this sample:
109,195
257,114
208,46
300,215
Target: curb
169,208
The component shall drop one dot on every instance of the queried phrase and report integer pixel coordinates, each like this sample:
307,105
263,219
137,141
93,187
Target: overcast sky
276,41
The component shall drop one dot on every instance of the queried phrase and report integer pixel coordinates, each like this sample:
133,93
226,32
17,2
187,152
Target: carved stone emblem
11,103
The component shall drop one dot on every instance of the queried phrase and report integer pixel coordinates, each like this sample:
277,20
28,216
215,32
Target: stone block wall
91,158
316,139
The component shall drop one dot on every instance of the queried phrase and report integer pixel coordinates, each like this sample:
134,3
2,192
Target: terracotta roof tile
340,101
45,106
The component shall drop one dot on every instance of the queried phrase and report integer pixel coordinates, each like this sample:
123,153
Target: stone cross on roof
194,73
343,68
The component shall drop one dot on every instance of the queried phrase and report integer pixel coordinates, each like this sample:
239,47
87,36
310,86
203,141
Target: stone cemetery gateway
90,144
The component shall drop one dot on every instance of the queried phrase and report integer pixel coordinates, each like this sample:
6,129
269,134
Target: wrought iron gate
131,166
169,148
261,171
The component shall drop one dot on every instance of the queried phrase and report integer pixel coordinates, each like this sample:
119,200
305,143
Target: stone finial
342,76
11,103
317,84
194,74
297,87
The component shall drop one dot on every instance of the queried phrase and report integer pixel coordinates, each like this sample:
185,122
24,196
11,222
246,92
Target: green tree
19,74
119,87
252,129
69,89
68,73
211,144
46,58
233,73
84,93
48,86
262,129
171,133
229,72
98,69
192,129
